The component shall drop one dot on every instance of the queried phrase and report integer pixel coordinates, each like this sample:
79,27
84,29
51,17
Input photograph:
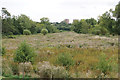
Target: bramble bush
46,70
27,67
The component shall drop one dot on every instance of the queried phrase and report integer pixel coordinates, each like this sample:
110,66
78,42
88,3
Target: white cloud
57,10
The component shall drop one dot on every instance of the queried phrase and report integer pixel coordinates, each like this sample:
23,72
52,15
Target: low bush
44,31
3,51
104,64
65,59
69,46
24,53
80,45
26,32
61,30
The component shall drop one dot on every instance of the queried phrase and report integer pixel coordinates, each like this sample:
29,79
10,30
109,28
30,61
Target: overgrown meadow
61,55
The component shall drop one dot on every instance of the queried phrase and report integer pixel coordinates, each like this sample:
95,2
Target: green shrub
104,64
24,53
69,46
65,59
26,32
11,36
44,31
80,45
3,51
99,30
61,30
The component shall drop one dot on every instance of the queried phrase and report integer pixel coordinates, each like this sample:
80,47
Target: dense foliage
3,50
106,24
24,53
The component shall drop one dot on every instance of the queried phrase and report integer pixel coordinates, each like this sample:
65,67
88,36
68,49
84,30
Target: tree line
106,24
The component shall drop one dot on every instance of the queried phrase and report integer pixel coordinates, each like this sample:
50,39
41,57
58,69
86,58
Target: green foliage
47,25
77,26
11,36
91,22
24,53
62,26
81,26
44,20
98,30
26,77
116,13
65,59
5,12
24,21
80,45
104,63
7,26
69,46
17,24
3,50
51,29
61,30
84,26
44,31
39,27
106,22
26,32
104,31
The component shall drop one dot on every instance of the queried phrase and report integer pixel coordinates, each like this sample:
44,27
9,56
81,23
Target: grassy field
85,50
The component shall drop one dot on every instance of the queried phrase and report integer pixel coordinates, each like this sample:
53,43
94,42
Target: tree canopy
15,25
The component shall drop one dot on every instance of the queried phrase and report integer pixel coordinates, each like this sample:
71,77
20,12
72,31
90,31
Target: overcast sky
58,10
